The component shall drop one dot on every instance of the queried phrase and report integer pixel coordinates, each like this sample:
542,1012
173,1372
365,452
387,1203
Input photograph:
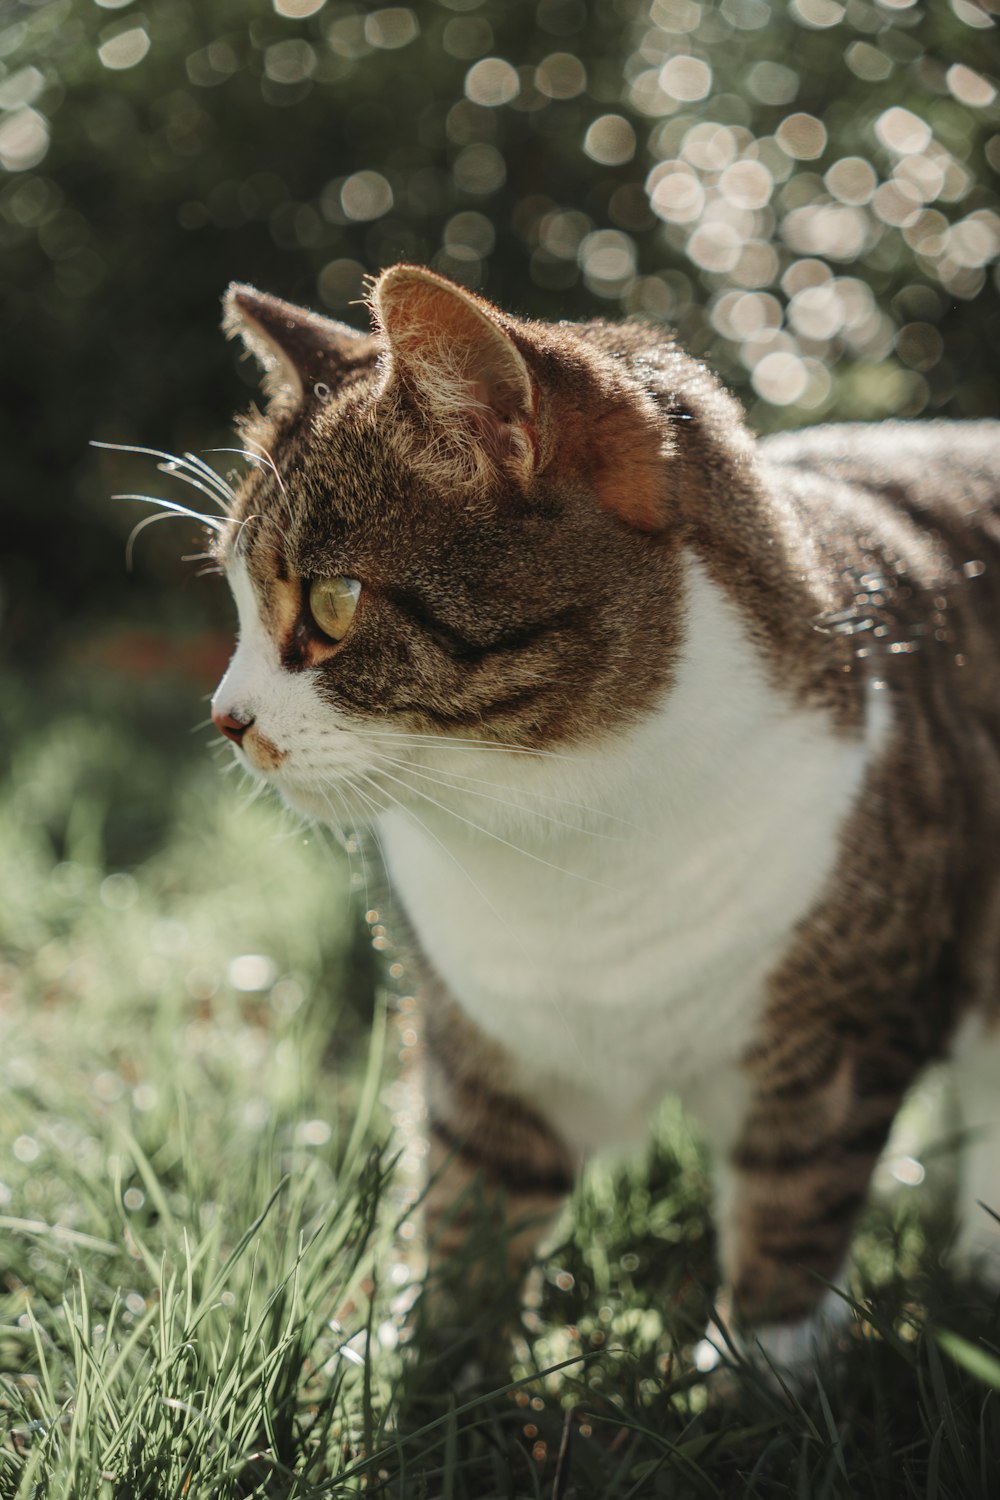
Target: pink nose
233,728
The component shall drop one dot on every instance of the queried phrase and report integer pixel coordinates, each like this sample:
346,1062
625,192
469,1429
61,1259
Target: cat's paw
975,1251
781,1352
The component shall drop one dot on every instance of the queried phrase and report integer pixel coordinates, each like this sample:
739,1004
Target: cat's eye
332,602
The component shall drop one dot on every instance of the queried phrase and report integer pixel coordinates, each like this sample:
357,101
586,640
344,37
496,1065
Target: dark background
807,191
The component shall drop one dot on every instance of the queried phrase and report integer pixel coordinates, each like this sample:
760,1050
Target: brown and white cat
683,748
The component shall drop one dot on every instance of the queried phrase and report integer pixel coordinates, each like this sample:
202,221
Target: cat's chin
338,807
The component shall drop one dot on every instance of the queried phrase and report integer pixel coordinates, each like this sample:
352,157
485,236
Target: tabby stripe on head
461,647
473,716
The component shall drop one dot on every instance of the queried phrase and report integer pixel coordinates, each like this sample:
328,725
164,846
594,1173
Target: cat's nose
233,728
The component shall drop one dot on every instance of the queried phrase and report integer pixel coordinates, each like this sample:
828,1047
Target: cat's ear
463,372
301,353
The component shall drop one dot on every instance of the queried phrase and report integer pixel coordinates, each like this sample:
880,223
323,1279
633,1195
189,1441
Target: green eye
332,602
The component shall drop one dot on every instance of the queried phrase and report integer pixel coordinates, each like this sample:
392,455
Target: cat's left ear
463,372
301,352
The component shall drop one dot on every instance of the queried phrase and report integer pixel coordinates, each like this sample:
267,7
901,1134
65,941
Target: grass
205,1253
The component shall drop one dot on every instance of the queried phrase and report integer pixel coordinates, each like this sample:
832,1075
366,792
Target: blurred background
807,191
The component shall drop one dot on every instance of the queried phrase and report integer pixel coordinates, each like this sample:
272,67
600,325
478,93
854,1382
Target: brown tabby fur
522,580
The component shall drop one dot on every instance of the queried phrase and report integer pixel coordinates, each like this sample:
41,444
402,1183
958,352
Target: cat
683,750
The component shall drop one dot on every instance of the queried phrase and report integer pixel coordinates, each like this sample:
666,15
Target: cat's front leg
789,1189
498,1172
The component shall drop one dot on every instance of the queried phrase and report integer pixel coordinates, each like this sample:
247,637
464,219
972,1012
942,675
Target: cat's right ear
300,352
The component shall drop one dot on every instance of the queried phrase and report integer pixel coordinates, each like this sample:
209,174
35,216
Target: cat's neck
726,742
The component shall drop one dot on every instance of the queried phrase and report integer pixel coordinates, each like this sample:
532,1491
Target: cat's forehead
318,478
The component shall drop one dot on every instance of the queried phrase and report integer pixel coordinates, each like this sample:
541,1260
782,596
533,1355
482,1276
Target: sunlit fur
683,750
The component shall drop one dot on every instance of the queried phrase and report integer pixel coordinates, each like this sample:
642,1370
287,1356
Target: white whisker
257,790
471,791
450,854
266,457
448,741
395,801
176,471
173,463
162,515
488,833
244,523
345,840
262,457
222,485
263,460
215,523
499,786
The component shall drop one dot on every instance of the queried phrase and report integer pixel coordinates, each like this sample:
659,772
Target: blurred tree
807,191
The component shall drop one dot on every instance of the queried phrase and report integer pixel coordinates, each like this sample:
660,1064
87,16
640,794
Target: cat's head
460,527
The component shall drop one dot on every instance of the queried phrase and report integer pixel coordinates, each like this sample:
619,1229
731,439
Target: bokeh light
124,49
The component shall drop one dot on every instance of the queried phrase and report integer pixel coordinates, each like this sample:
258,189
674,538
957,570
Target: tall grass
204,1256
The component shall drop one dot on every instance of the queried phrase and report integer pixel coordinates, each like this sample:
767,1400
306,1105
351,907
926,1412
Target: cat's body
684,750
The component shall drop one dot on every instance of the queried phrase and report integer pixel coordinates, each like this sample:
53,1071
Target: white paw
975,1251
791,1350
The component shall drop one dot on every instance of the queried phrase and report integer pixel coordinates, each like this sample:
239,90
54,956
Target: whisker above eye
174,469
174,463
266,457
215,523
223,485
162,515
170,508
261,457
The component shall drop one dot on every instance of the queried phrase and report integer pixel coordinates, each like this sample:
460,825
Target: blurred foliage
807,191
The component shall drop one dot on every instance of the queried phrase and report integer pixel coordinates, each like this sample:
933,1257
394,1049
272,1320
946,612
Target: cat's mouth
343,794
262,753
328,797
323,799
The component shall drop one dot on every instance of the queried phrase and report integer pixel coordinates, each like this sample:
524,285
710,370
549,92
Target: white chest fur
627,958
